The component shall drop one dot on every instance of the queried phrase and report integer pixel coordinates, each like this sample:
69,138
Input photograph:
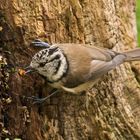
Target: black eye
42,64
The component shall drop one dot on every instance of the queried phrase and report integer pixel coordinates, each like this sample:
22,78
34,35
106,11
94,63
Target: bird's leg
37,100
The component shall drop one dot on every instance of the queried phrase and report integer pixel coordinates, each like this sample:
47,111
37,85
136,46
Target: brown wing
84,62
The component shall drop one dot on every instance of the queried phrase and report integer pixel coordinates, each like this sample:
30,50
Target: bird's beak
26,70
29,69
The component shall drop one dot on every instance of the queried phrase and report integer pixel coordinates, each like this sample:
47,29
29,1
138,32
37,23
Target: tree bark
110,111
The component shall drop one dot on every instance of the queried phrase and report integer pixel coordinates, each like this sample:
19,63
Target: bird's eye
42,64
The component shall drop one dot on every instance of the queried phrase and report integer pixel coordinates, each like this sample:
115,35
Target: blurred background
138,20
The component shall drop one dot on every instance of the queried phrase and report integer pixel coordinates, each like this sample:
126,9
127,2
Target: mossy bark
110,111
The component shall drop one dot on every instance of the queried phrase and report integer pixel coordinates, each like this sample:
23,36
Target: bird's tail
132,55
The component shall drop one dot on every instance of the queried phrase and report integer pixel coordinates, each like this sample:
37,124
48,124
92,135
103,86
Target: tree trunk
110,111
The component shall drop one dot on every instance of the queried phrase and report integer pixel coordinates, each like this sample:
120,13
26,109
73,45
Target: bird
75,68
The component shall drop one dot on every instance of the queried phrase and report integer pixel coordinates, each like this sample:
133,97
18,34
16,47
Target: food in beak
25,71
21,72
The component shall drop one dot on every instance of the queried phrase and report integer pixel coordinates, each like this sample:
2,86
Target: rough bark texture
110,111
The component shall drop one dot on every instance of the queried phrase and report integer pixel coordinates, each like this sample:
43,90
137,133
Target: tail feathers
132,55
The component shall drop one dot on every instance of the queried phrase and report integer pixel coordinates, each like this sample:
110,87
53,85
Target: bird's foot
37,100
39,43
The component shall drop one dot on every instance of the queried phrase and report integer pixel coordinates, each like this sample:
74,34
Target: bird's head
50,63
40,59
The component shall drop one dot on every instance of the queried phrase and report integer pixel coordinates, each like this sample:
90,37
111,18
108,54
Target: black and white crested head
50,63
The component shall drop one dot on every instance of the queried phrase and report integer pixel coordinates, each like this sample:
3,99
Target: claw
37,100
39,43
